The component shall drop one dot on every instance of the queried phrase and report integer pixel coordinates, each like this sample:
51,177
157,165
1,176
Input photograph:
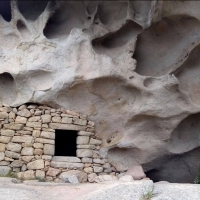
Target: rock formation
131,66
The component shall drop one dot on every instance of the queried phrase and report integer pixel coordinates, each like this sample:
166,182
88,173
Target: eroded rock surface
133,67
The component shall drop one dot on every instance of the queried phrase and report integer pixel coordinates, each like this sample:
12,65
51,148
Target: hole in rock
151,83
179,169
161,46
110,13
69,15
7,88
22,29
108,141
140,7
183,162
120,37
91,6
111,44
32,9
5,10
188,75
65,143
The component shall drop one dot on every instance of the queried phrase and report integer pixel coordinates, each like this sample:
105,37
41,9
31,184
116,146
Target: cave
65,143
186,163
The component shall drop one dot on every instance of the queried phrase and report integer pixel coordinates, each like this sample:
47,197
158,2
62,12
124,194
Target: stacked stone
27,143
87,161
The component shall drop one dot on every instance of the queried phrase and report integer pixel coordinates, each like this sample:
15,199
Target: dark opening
5,10
32,9
65,143
22,29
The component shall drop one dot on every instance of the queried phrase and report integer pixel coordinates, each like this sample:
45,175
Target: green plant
147,196
197,178
40,179
10,174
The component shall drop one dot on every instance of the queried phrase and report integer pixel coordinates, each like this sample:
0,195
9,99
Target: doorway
65,143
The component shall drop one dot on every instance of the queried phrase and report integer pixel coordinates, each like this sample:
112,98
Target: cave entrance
65,142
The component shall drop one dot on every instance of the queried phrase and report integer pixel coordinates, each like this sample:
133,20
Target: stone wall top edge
36,106
30,106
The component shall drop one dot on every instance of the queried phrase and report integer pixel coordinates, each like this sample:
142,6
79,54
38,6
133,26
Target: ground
136,190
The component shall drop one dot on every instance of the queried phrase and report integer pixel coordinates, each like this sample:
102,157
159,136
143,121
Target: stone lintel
67,165
66,159
67,127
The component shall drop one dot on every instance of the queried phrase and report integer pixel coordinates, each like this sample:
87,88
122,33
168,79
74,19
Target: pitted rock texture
132,67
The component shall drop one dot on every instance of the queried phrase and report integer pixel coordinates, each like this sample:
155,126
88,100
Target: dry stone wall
27,144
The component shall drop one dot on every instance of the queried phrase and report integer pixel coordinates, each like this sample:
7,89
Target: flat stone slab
13,126
66,159
67,165
85,133
20,139
67,127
